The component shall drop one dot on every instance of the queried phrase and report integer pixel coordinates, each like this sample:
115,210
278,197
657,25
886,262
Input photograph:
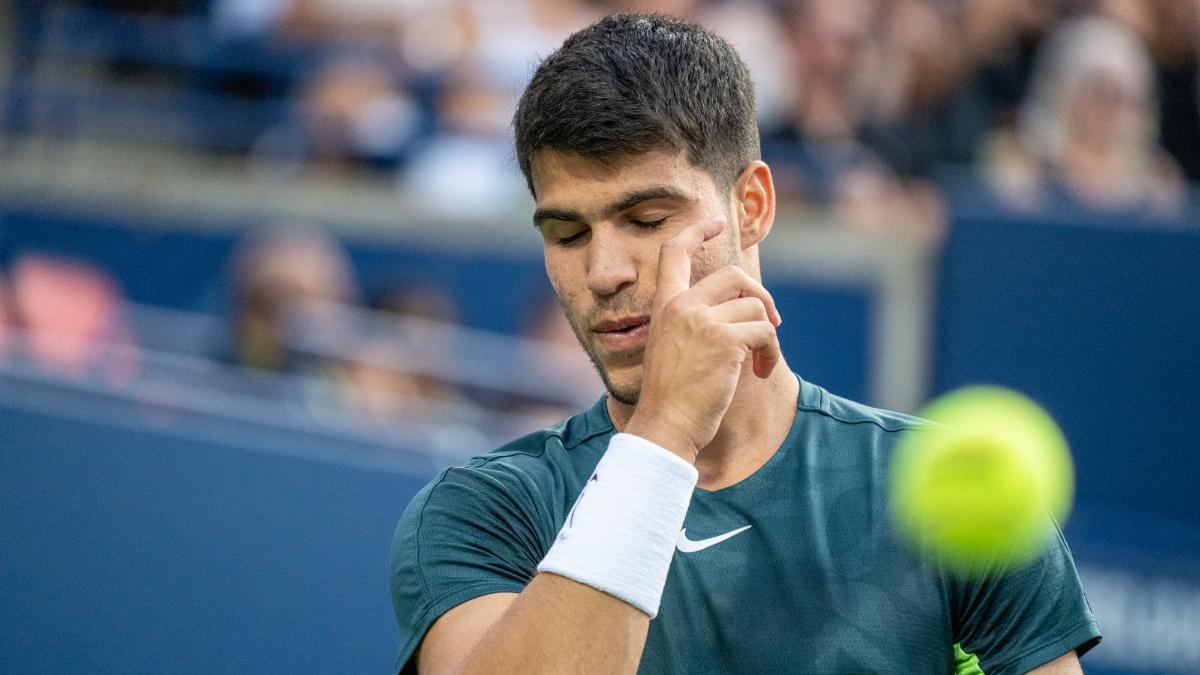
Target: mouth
622,334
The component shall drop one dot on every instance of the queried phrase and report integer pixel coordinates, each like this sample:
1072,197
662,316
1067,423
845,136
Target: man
712,513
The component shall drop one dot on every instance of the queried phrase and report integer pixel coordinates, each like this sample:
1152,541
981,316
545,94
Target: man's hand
699,339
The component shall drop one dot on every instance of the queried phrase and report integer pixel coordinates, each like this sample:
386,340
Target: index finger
675,257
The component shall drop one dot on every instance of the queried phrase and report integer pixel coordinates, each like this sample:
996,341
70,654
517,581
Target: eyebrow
625,203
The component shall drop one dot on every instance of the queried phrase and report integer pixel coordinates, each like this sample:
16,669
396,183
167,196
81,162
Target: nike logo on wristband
571,519
686,545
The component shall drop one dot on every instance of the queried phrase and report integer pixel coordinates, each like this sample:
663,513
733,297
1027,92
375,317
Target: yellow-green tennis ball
976,491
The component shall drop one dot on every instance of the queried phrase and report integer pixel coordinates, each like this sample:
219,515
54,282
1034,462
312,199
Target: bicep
452,637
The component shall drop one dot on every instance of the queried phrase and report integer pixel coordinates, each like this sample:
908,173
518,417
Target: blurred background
266,266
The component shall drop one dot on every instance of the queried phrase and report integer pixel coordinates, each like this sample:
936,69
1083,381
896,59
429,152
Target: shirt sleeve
1018,621
474,531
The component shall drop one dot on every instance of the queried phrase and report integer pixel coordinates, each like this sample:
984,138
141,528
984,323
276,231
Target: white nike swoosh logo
686,545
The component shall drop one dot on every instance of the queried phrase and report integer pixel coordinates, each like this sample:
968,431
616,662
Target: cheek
566,288
556,271
561,283
717,253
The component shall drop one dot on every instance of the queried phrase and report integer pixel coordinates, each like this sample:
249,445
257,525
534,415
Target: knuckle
705,324
711,329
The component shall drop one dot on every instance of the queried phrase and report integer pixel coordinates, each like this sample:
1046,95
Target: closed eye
563,241
647,224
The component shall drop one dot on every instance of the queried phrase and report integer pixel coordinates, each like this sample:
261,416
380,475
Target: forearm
588,608
557,625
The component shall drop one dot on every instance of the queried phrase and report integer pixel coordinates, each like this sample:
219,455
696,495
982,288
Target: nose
611,265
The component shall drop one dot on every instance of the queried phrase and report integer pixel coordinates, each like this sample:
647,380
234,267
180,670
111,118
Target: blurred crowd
302,329
866,107
863,103
401,350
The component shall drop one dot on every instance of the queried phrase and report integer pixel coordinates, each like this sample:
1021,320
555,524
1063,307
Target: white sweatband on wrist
620,535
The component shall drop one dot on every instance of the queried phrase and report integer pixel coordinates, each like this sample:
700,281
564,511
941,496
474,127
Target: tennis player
713,513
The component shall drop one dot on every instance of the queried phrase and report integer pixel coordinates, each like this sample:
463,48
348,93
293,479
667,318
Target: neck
756,424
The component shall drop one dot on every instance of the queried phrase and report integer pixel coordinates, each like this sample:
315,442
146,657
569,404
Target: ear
754,203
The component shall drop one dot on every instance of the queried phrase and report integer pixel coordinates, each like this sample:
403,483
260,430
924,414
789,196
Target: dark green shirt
817,582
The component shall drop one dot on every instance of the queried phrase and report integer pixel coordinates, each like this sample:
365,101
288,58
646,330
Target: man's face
602,225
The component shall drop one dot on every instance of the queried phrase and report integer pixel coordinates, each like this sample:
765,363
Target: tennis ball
976,490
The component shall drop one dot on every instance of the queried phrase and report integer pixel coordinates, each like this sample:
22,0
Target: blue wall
1102,325
135,539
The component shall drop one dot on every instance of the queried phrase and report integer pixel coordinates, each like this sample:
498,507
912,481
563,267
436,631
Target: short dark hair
631,83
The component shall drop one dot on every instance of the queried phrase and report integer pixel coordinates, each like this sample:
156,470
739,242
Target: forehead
568,180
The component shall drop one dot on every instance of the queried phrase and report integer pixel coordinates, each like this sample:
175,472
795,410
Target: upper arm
473,533
1017,620
452,637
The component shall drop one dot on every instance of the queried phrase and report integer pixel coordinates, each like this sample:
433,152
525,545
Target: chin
627,389
628,396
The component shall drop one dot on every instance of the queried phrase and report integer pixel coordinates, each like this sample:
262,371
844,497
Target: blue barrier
1100,324
135,538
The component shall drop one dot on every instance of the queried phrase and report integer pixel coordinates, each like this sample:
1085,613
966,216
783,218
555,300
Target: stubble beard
627,395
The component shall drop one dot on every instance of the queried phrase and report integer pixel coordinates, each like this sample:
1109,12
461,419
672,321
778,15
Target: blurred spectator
393,373
353,113
1175,44
272,270
466,169
1000,40
843,91
343,20
422,36
1088,131
70,316
754,31
5,319
506,38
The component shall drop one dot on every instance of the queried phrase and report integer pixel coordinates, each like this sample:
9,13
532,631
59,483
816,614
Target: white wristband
620,536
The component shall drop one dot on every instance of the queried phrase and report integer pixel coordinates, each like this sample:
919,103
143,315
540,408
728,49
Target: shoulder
836,411
573,446
837,432
832,431
542,467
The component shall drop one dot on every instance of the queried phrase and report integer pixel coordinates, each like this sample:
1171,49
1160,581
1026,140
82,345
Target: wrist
621,535
661,432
